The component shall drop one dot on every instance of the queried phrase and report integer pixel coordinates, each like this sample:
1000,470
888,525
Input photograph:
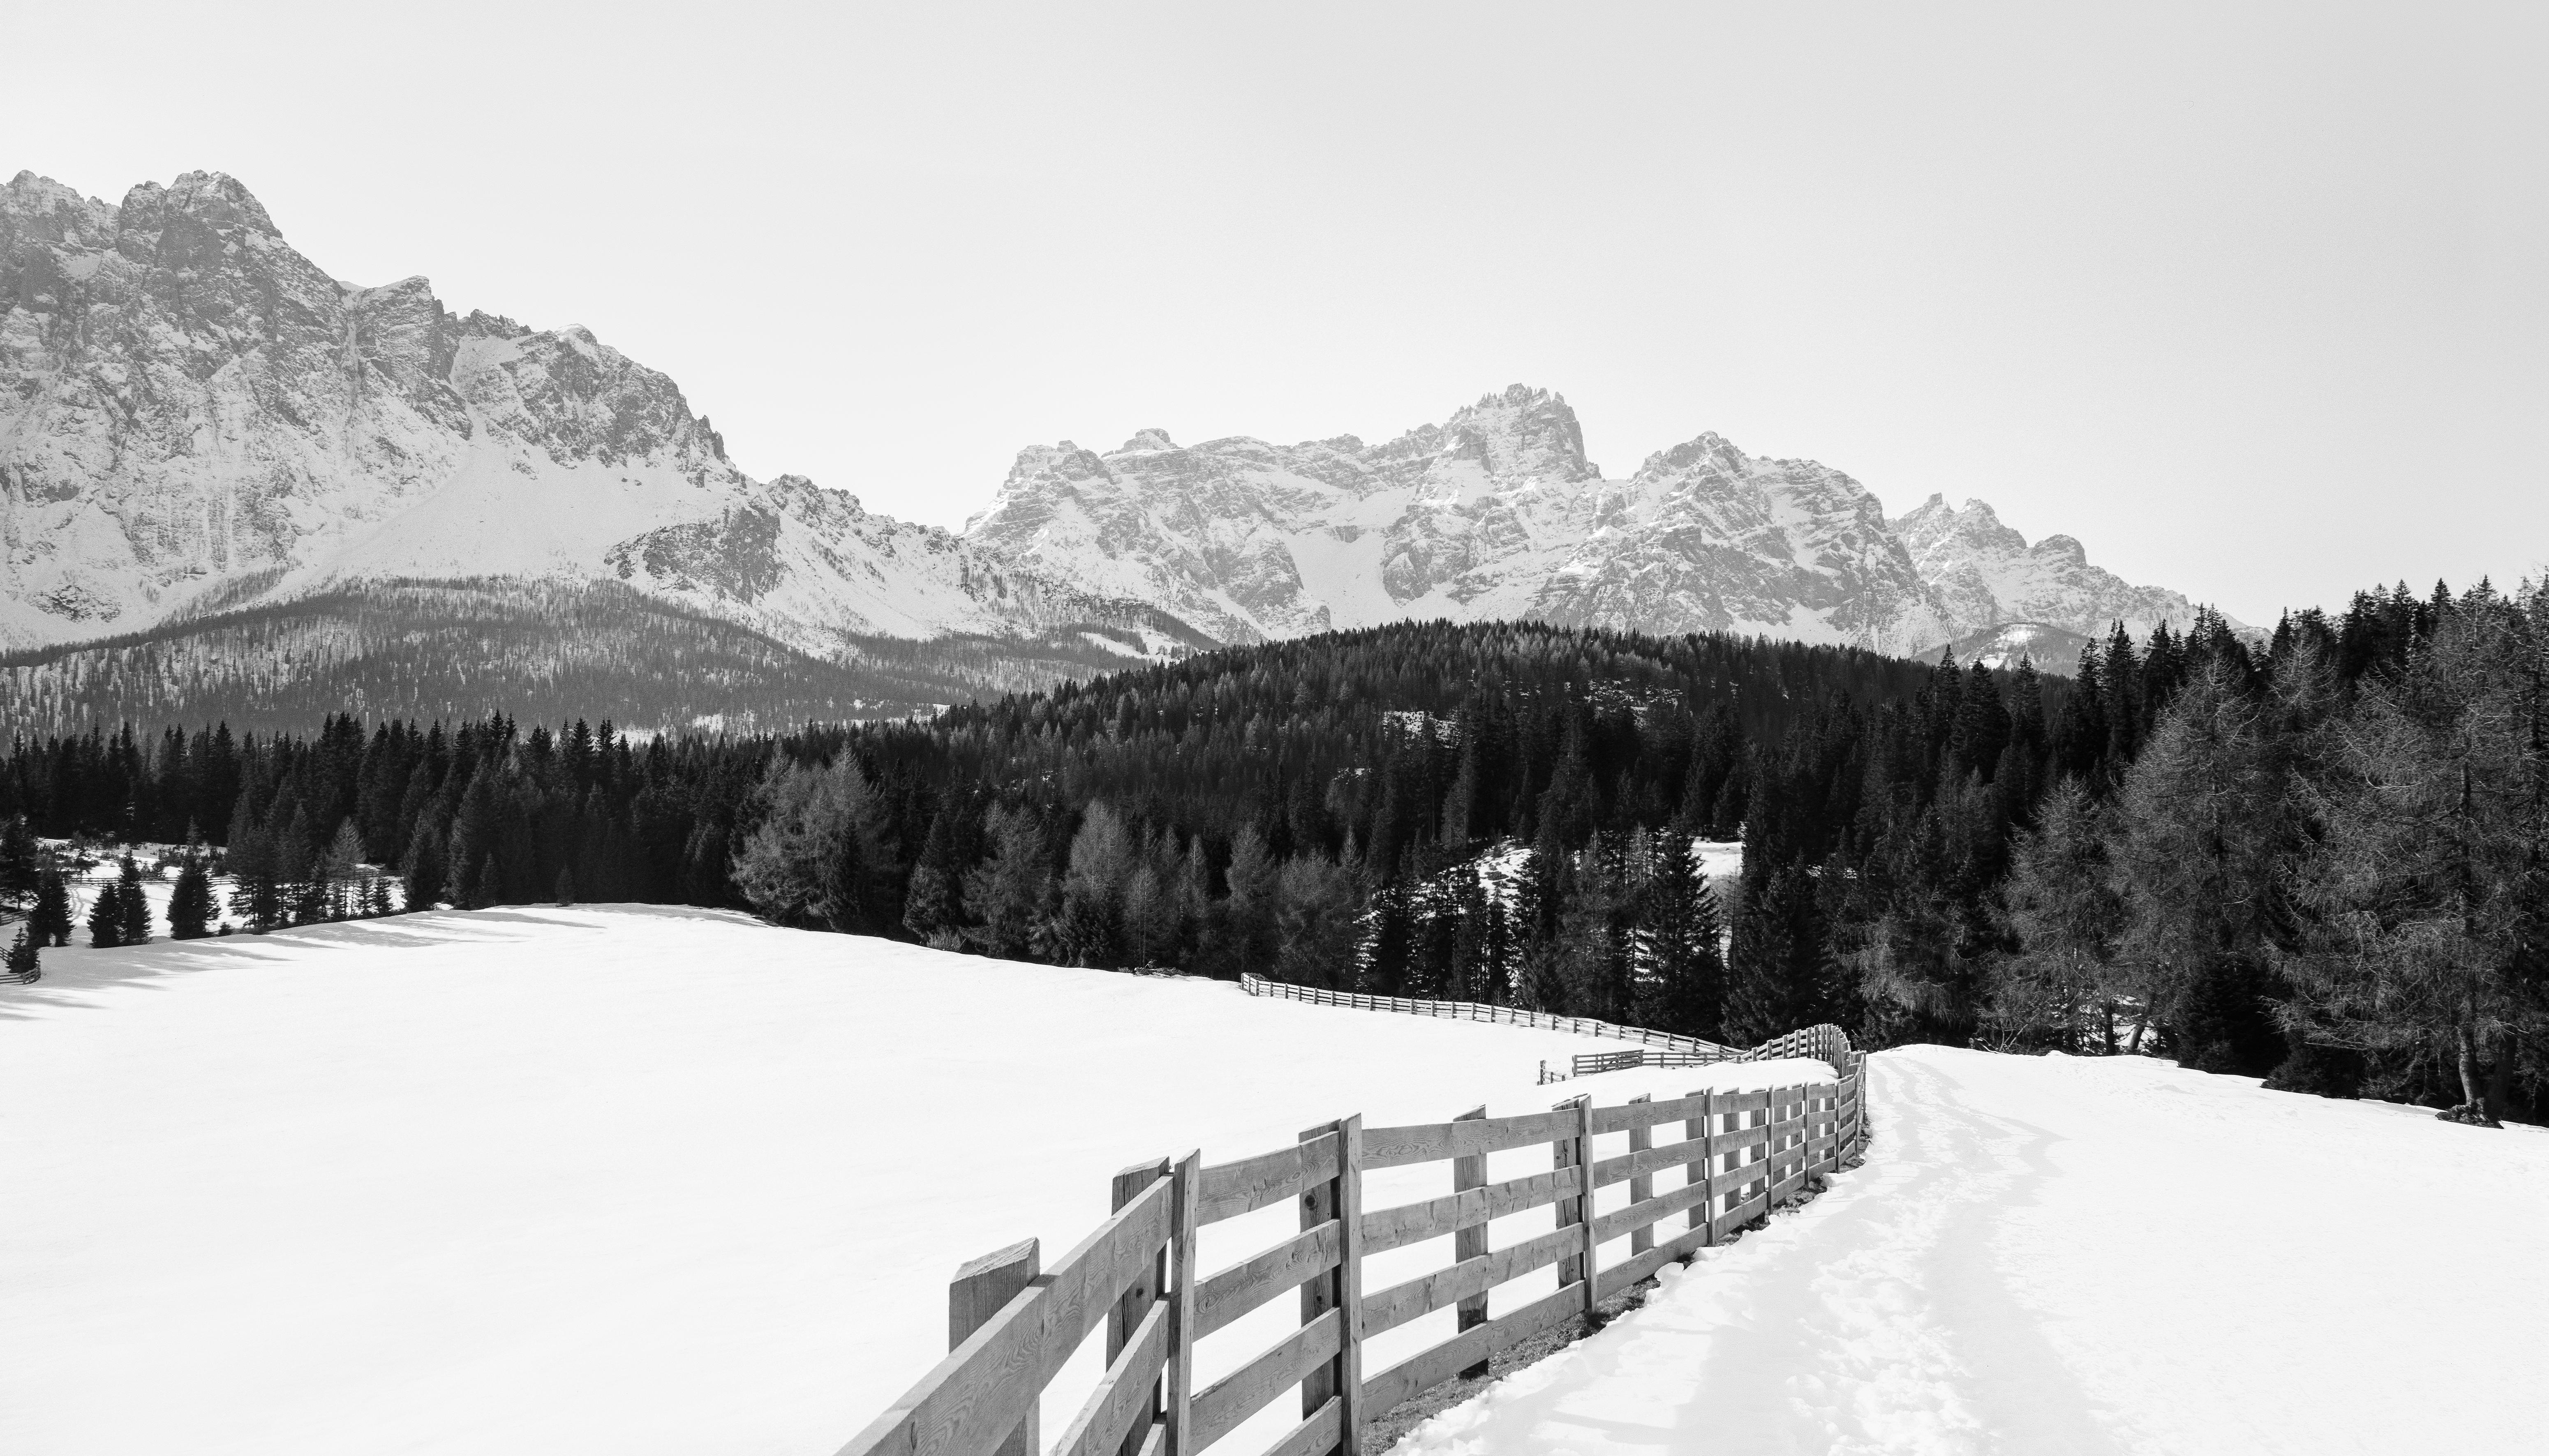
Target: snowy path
2063,1255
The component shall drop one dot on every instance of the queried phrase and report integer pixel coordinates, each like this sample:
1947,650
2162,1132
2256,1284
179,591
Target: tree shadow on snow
72,972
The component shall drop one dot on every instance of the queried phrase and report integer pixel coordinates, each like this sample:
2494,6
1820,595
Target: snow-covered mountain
194,416
1498,513
196,421
1984,573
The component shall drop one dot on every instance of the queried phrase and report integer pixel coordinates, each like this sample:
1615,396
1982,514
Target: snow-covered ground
2060,1255
625,1179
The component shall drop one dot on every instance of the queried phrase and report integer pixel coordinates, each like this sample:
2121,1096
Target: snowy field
2083,1256
623,1180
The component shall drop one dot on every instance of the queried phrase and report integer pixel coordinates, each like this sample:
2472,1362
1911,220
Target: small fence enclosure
1729,1158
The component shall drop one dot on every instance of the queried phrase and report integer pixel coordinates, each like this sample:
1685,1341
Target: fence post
1703,1218
1858,1094
1179,1376
979,1291
1643,1186
1340,1288
1575,1150
1127,1316
1469,1241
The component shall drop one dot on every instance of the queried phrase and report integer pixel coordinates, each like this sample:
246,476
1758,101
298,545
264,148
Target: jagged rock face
1495,513
1985,574
192,414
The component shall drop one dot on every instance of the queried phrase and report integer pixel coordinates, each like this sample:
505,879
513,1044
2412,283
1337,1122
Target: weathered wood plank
1315,1436
1426,1142
1395,1306
1220,1407
1119,1411
981,1290
1424,1371
980,1393
1252,1183
1142,1296
1697,1131
1177,1381
1414,1223
1641,1184
1643,1113
1738,1139
1319,1296
1743,1211
1641,1162
1643,1215
1349,1277
1468,1241
1629,1272
1242,1287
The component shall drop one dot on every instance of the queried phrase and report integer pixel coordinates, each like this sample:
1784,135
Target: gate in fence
1013,1324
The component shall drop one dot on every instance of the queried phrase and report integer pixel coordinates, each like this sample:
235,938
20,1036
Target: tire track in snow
1870,1321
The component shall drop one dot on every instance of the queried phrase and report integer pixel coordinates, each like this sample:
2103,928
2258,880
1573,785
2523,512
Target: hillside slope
2048,1254
615,1179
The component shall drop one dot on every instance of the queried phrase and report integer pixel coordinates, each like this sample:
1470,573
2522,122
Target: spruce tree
25,965
20,864
52,920
133,906
190,902
106,918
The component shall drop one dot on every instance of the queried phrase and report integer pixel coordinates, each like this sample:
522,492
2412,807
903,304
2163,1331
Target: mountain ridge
195,418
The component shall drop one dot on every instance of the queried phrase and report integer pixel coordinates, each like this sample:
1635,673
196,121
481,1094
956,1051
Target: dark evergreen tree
24,965
20,864
132,906
190,901
106,918
51,918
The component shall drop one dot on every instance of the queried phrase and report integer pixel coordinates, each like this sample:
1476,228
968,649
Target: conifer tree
20,864
423,867
190,902
491,886
24,965
106,918
51,919
1007,889
132,906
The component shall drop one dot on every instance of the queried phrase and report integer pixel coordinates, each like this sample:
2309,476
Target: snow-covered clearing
623,1180
2060,1255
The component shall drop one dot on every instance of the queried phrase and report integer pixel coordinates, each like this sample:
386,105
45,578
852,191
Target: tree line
2237,852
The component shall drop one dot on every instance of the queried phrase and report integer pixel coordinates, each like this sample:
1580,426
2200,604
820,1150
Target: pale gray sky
2252,299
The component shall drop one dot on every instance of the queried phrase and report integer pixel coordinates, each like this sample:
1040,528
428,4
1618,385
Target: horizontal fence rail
1826,1042
1729,1158
1581,1026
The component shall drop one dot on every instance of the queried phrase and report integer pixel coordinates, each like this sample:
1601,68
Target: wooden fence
1826,1041
1581,1026
1013,1324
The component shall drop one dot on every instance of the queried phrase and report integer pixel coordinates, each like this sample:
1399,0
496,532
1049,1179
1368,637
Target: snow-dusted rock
1985,575
194,415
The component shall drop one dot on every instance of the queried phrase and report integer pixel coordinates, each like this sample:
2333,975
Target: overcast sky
2253,300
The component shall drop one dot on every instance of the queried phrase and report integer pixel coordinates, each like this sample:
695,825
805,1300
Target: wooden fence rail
1013,1325
1581,1026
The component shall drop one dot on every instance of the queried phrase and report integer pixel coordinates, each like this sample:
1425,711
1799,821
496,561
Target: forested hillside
450,650
2320,858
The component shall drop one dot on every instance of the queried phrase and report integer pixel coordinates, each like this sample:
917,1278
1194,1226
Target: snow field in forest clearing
629,1179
